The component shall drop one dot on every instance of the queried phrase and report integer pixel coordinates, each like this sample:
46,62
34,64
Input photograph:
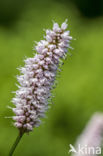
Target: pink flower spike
38,76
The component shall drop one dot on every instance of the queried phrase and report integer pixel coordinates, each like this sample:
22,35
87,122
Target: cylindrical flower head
38,76
91,138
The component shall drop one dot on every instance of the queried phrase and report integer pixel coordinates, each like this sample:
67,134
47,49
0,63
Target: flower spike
38,76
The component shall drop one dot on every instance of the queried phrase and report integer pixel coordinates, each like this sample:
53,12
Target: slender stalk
16,143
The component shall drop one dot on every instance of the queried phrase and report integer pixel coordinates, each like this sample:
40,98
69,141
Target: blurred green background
80,89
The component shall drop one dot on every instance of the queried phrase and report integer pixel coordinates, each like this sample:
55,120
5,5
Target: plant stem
16,143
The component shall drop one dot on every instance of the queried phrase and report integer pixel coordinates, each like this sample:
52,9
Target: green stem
16,143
